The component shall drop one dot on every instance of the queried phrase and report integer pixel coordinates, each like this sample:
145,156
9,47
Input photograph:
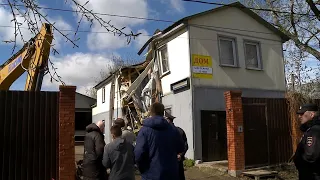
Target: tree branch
314,8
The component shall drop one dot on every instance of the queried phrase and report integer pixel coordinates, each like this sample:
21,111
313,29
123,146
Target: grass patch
188,163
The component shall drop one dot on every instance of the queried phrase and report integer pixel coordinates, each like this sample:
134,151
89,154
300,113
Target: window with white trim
164,60
103,95
252,55
227,51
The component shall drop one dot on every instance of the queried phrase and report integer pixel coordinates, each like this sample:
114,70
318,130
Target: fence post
234,113
66,133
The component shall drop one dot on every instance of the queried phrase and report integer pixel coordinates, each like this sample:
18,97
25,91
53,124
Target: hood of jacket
118,144
156,122
92,127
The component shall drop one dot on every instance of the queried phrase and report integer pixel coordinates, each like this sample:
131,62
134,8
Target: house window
227,51
252,55
164,62
103,95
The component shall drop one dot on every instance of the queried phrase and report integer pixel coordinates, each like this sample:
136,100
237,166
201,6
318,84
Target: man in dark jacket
181,156
157,146
93,152
307,156
118,156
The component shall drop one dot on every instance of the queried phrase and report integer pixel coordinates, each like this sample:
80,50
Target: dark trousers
181,171
303,175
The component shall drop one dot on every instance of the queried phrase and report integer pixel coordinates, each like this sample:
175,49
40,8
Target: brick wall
234,112
66,133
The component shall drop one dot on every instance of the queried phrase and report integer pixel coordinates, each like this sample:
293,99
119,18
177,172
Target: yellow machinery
32,58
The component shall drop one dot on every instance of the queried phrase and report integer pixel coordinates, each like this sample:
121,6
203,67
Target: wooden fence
29,134
267,131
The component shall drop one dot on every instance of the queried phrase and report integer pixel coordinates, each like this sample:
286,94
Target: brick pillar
235,135
67,167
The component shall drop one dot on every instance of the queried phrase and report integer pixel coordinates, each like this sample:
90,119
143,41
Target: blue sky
82,66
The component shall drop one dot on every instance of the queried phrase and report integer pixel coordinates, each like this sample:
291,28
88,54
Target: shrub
188,163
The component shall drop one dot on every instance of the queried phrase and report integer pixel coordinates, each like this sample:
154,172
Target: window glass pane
227,52
164,59
252,60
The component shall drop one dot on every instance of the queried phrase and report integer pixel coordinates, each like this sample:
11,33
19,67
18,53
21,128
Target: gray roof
235,4
84,102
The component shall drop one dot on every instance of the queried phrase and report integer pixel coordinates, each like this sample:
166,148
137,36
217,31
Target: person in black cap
307,156
181,156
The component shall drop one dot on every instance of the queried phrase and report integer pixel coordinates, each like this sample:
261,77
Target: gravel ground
195,173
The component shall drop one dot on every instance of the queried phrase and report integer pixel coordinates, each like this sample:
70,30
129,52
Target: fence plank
28,128
278,127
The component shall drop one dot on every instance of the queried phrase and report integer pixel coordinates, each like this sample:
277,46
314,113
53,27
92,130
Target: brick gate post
66,133
234,113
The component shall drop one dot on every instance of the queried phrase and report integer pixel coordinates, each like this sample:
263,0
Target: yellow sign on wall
201,66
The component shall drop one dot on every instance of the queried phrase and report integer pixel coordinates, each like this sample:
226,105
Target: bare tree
28,14
117,63
298,19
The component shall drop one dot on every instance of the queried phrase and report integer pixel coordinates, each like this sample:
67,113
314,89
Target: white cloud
177,5
98,41
7,33
142,38
79,69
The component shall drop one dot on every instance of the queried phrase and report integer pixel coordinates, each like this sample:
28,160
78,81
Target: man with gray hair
307,156
93,152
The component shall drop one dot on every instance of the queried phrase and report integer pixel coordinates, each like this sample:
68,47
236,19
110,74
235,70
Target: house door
255,135
214,135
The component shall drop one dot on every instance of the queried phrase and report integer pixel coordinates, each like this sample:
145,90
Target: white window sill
227,65
254,69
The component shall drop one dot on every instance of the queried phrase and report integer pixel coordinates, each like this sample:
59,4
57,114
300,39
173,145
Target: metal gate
29,134
266,131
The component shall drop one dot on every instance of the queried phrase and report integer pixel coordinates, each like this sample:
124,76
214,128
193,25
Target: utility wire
153,19
96,13
146,35
257,9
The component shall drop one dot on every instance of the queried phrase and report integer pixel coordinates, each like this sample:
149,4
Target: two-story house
202,56
199,58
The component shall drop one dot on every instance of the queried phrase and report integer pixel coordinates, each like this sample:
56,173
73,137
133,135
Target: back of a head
116,131
157,109
101,125
120,122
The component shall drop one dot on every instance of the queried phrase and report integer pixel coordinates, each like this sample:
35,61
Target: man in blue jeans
157,146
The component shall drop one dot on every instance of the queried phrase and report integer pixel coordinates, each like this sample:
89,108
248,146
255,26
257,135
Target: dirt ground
195,173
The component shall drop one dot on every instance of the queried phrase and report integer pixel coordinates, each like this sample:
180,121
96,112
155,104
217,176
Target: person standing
181,156
157,146
93,152
118,156
129,136
307,155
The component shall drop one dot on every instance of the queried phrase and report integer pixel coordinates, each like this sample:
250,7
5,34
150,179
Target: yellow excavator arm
33,58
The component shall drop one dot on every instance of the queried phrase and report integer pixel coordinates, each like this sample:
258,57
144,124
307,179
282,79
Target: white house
202,56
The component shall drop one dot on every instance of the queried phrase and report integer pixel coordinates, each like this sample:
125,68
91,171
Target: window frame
103,95
160,59
235,50
259,53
